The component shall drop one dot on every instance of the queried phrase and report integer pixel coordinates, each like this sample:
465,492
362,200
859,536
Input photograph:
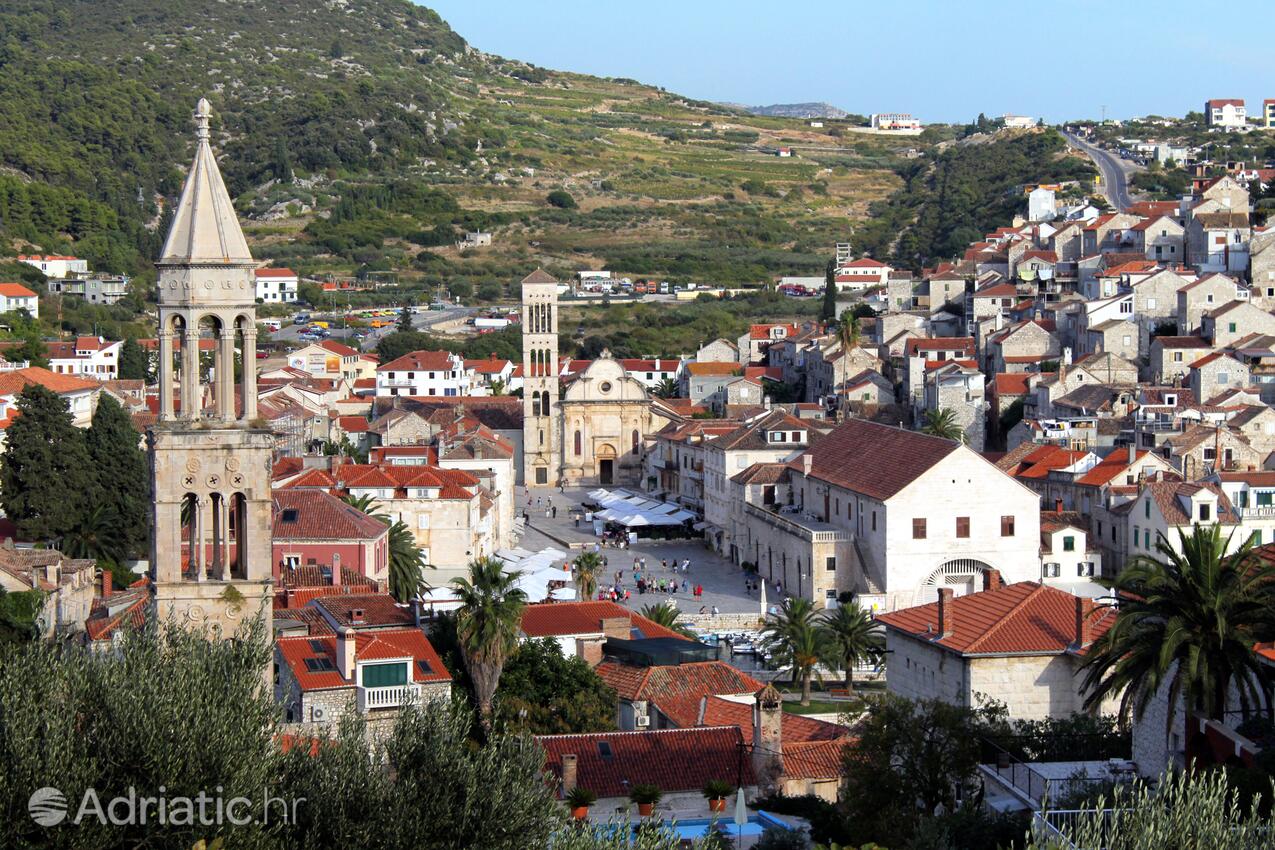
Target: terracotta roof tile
1026,617
674,760
875,460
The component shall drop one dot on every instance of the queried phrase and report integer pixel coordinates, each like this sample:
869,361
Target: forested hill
376,111
95,97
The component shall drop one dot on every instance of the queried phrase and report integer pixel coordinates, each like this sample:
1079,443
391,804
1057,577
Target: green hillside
366,135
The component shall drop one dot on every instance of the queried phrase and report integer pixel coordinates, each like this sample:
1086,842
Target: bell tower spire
210,461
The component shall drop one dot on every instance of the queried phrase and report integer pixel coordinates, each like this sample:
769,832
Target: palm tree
848,330
498,387
406,563
1188,620
366,503
942,423
586,569
666,615
853,636
98,537
666,388
487,626
796,640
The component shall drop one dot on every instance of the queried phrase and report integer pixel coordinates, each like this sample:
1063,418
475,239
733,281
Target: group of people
650,584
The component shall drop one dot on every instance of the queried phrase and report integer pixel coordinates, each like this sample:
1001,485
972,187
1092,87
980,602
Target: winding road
1115,172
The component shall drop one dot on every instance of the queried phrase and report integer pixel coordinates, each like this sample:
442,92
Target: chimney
569,761
1133,453
703,709
356,616
806,463
336,567
768,739
105,588
345,652
992,580
1085,619
947,613
1058,505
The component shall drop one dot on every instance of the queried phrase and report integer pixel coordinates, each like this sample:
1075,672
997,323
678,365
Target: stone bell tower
210,463
541,454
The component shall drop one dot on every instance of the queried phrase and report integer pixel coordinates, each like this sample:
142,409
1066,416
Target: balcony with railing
392,696
696,471
798,524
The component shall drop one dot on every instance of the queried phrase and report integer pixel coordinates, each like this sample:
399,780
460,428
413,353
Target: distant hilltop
799,110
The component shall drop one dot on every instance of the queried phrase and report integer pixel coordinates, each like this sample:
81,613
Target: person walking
715,611
554,511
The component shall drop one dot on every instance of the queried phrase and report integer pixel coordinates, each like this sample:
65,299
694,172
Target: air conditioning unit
319,714
642,721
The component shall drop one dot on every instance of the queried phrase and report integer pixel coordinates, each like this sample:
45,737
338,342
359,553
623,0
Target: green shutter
384,675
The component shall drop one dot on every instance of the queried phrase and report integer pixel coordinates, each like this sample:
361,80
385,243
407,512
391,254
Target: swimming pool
758,823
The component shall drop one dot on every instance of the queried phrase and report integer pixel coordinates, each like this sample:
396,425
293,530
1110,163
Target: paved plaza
723,582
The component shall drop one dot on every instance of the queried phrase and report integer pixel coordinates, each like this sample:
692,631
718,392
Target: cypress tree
46,477
121,471
134,365
828,310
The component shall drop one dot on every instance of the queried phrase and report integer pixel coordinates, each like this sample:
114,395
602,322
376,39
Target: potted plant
578,801
716,791
646,796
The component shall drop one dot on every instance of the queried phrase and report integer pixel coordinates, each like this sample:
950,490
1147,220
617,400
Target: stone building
1022,644
322,678
211,550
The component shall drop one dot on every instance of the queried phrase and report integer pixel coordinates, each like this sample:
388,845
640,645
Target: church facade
592,432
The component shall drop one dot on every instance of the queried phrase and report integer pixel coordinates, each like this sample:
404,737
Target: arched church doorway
606,464
962,575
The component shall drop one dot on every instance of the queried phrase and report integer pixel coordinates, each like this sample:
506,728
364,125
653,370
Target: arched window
637,440
579,443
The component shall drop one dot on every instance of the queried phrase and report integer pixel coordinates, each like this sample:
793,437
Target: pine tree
46,478
134,365
121,471
828,310
405,318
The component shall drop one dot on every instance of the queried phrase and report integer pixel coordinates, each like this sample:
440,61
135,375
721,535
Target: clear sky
942,60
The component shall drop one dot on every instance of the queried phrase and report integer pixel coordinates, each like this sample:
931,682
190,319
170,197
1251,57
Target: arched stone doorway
605,456
962,575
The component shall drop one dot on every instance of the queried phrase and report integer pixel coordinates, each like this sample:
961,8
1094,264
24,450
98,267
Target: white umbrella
741,812
763,598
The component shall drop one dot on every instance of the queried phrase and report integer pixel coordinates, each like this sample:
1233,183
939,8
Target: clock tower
210,455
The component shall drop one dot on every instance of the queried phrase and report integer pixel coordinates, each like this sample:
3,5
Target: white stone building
892,516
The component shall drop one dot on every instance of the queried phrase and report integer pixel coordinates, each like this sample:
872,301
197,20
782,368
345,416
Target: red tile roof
763,331
559,619
318,515
379,610
674,760
1012,383
338,348
961,344
436,361
369,646
1026,617
275,273
1112,465
15,290
352,424
875,460
713,369
15,381
696,679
